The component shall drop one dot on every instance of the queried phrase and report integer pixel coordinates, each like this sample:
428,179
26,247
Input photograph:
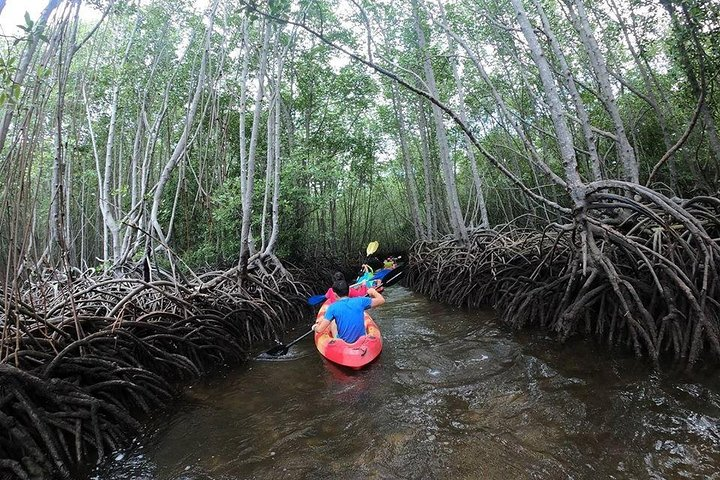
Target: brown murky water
453,396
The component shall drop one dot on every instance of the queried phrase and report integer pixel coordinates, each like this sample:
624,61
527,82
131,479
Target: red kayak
354,355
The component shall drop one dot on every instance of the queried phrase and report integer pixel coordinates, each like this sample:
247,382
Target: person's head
340,286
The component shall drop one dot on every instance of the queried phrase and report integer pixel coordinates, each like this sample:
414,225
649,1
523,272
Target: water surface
454,395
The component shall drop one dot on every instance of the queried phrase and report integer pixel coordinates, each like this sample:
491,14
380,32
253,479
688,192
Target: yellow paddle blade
372,248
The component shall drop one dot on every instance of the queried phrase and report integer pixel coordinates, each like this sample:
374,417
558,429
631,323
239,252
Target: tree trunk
469,147
457,223
22,69
569,79
430,202
564,137
245,234
410,183
625,152
58,189
182,143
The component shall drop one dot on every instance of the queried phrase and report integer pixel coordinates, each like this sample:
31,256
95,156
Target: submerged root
634,269
81,360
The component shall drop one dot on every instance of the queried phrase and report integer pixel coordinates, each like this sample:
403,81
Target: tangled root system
82,358
634,268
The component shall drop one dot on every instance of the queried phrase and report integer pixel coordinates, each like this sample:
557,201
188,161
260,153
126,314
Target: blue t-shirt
349,315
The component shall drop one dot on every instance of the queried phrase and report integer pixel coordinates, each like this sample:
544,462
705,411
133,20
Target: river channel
454,395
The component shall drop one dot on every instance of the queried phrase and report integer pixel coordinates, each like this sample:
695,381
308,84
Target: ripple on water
454,395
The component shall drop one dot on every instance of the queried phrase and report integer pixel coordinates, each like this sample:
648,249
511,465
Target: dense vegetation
556,159
165,127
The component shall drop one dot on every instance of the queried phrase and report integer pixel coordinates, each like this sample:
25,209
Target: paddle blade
372,247
278,350
316,299
281,349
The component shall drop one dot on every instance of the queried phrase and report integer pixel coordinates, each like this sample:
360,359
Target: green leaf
28,21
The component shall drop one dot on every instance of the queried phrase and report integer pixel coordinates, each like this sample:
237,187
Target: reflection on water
453,395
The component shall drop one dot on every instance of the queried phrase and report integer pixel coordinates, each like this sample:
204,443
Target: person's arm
375,298
321,324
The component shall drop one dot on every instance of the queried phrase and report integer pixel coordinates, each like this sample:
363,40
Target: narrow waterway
453,396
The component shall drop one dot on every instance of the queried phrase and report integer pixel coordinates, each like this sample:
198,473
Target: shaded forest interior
177,179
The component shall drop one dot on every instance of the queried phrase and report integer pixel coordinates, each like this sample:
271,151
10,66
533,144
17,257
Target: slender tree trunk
245,235
569,79
276,173
447,170
243,105
59,193
269,167
564,137
410,183
469,147
107,206
277,107
430,214
182,143
626,154
24,64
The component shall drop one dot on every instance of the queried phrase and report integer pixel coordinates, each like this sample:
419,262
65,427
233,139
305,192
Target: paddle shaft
299,338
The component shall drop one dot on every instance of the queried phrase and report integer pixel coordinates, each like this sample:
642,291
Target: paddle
315,299
388,277
372,248
282,349
320,297
392,277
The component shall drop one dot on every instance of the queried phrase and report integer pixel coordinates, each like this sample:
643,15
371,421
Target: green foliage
343,178
9,90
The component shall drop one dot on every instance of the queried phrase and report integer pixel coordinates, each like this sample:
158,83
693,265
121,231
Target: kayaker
358,290
366,274
348,314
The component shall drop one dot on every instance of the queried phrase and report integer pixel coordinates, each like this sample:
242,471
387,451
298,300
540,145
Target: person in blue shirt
348,314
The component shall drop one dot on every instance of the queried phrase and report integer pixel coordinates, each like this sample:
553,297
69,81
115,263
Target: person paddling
347,314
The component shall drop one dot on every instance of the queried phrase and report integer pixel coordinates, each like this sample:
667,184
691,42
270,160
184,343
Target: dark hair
340,286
